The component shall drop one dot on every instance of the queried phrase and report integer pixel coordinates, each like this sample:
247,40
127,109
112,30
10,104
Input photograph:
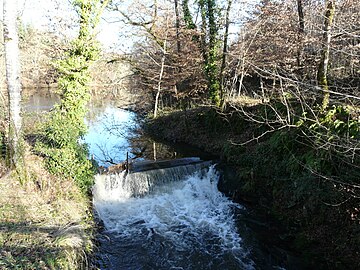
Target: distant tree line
303,41
282,65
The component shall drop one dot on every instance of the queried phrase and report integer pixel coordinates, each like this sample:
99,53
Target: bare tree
161,73
11,42
324,62
301,31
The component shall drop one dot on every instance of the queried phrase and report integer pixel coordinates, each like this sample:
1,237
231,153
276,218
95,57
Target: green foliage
214,122
211,70
289,154
209,47
66,157
187,15
2,144
85,49
70,163
337,121
232,152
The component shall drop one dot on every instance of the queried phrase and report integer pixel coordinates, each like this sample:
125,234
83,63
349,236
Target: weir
168,218
144,176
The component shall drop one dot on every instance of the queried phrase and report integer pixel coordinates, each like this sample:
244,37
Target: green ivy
65,156
187,15
338,122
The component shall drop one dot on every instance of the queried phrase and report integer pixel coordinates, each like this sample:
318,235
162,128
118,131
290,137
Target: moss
231,152
301,242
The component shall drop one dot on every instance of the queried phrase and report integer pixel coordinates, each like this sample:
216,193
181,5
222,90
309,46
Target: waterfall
170,218
137,184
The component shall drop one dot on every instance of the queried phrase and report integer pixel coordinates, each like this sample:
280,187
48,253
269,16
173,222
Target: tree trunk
324,62
177,24
203,35
161,74
301,32
187,15
212,67
208,47
159,83
225,45
11,42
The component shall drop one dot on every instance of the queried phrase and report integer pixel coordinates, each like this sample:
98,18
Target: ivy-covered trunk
225,49
209,48
189,23
177,25
212,70
324,61
66,156
208,43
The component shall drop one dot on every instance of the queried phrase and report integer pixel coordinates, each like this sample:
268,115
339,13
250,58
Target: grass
44,222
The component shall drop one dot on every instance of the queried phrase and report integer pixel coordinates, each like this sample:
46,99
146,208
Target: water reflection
39,100
112,132
108,133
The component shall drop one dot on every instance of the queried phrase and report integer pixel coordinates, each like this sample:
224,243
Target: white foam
182,211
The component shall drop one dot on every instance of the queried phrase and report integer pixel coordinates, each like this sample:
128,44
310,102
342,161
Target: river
180,220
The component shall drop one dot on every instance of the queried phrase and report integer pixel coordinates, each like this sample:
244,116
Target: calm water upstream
169,218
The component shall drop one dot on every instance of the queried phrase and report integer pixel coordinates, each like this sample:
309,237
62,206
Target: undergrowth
44,220
305,175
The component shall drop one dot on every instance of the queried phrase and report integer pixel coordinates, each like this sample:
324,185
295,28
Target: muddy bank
266,174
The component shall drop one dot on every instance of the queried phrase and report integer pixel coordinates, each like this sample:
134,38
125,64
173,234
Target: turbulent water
178,223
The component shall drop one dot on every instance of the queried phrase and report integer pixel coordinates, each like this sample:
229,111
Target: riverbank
275,173
45,221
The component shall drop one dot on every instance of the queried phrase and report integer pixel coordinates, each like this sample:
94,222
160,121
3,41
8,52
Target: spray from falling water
178,208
